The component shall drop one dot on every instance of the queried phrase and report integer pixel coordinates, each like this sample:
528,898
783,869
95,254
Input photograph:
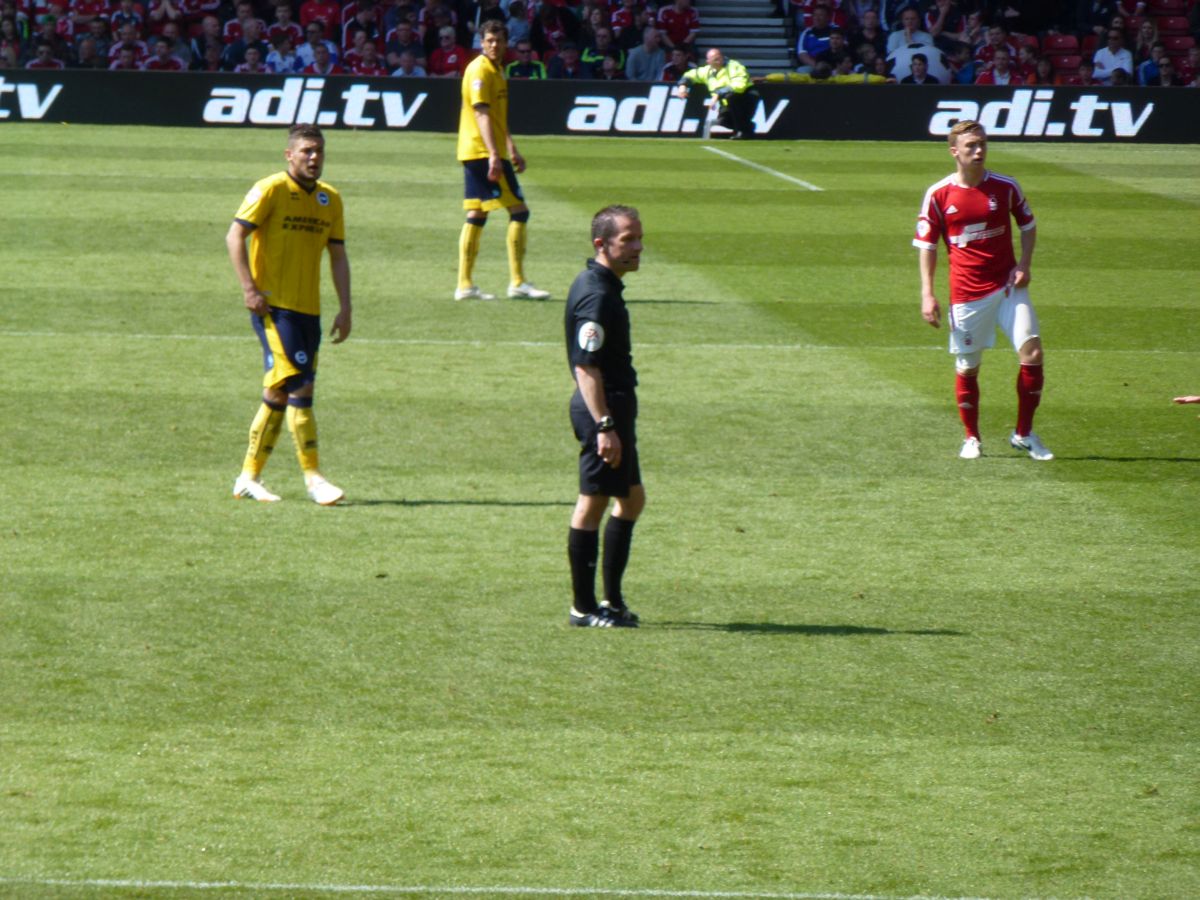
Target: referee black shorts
595,475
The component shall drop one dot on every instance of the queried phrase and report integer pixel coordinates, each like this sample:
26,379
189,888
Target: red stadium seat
1057,44
1068,79
1066,62
1133,24
1028,40
1088,46
1179,44
1172,25
1166,8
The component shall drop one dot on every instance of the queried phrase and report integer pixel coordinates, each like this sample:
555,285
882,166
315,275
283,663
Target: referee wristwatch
606,423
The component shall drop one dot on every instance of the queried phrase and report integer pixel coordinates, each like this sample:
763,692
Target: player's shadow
1130,459
808,630
463,502
651,300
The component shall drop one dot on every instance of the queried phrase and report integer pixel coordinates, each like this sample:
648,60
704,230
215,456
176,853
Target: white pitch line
445,890
761,168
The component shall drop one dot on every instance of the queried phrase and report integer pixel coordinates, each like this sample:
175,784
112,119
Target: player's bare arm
235,242
1021,275
931,310
483,118
339,268
591,388
518,160
1190,398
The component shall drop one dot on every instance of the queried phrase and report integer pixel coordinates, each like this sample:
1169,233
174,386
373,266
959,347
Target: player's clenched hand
518,161
608,447
1019,277
255,301
341,326
495,168
931,312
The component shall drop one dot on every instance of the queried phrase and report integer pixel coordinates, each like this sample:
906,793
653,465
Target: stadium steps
749,31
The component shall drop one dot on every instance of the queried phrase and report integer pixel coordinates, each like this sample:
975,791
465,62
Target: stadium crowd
1000,42
997,42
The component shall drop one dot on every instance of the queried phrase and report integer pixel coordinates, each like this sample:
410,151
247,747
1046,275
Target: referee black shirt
597,327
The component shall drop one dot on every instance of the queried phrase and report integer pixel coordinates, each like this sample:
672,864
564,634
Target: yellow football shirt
483,82
292,228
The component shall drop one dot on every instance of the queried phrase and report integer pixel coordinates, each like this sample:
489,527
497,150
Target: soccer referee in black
603,413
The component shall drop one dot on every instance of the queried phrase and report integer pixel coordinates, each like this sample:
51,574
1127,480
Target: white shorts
973,325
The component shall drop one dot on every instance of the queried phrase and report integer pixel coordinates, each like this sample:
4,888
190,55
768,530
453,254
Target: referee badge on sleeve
591,336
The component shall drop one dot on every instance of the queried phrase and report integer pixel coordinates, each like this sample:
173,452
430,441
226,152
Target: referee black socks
583,549
618,537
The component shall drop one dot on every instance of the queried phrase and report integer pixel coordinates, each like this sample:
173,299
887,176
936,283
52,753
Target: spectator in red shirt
126,58
449,60
679,24
163,11
369,64
803,12
327,12
997,37
624,16
323,63
84,11
44,58
284,24
353,54
235,28
130,36
1001,72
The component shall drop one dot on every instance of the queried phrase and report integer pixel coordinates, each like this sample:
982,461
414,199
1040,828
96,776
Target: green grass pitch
867,668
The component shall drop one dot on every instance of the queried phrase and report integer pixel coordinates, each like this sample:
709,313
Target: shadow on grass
1130,459
405,502
648,300
810,630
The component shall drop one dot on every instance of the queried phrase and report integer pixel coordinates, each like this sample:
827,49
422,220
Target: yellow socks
303,426
468,249
516,250
264,431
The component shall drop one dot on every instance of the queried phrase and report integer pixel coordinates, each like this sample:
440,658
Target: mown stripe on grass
449,890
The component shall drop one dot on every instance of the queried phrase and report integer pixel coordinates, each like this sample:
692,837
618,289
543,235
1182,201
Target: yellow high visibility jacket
731,77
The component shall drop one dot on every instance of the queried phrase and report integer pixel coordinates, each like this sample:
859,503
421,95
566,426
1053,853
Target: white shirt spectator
1107,59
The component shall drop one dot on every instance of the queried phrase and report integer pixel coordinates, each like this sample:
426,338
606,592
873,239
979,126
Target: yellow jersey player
490,165
290,218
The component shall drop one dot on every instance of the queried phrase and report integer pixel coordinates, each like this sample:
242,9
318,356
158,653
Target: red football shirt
976,225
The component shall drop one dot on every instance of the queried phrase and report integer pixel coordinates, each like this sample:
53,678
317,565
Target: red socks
1029,395
966,390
